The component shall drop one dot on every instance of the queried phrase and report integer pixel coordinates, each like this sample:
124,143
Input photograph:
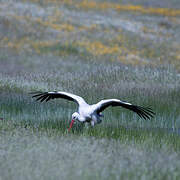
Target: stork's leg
92,123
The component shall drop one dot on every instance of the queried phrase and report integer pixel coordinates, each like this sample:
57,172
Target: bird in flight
92,113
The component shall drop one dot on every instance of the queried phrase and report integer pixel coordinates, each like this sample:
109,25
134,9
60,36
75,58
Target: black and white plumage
92,113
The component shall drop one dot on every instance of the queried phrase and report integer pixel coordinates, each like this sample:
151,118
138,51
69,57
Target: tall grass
27,154
145,87
35,142
97,54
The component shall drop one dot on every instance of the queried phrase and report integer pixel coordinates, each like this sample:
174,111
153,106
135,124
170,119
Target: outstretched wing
143,112
46,96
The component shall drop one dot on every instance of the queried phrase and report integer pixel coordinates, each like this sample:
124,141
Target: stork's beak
72,122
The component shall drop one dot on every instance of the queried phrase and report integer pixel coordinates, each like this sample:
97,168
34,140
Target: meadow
97,50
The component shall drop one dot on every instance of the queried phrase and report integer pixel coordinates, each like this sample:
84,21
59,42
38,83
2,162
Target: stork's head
75,117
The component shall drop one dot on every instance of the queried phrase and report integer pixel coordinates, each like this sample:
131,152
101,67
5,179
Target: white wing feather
46,96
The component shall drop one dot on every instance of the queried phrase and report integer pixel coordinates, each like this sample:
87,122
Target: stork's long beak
72,122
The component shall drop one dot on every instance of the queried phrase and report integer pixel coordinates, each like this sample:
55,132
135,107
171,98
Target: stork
92,113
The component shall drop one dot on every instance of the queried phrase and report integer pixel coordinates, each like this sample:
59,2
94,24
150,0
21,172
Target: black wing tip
43,96
39,95
145,112
149,110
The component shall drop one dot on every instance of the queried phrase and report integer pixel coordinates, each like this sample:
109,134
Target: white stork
91,113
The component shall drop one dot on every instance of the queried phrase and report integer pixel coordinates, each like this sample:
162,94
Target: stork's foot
101,115
99,121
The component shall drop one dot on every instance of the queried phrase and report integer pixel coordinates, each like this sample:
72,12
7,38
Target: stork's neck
81,118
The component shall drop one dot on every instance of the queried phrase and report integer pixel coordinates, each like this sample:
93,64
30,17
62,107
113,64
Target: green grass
123,146
21,110
34,138
37,154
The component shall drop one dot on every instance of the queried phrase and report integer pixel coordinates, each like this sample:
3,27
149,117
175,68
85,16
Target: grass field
95,49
